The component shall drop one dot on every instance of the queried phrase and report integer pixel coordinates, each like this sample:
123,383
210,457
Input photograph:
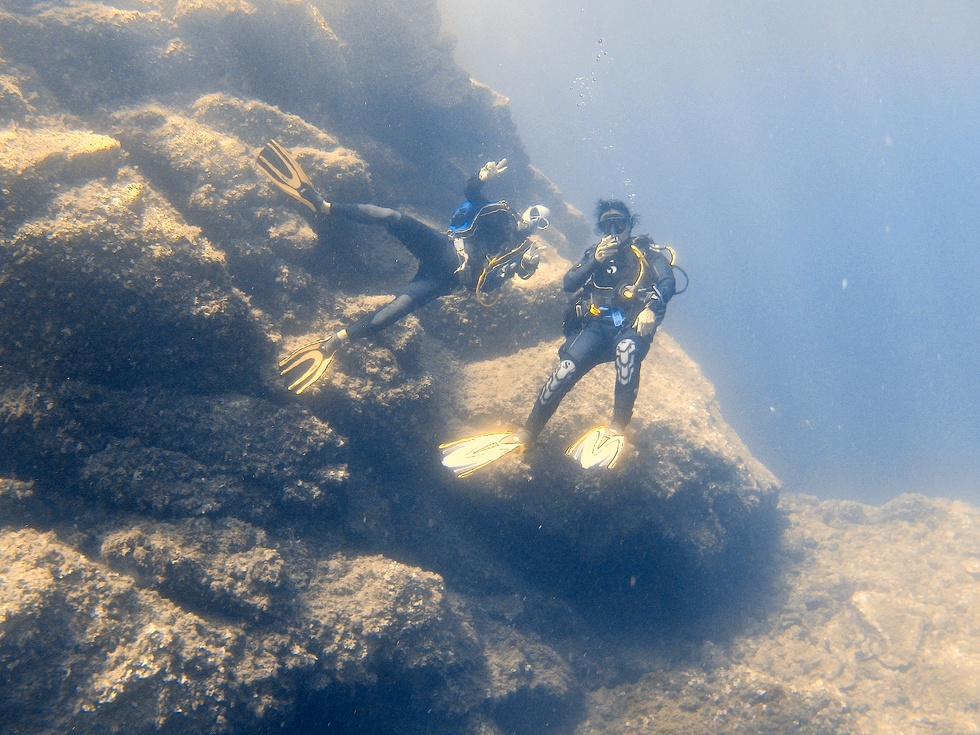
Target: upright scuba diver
622,286
484,246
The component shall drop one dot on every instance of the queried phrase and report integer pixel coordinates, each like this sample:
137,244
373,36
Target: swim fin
279,165
598,447
319,353
466,456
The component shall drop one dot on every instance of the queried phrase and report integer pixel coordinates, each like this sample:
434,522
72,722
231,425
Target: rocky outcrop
874,633
186,546
99,648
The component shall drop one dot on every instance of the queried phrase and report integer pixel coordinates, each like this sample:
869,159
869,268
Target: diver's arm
473,190
580,273
663,287
664,276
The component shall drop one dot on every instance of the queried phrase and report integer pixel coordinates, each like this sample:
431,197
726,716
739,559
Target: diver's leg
310,361
315,357
418,238
579,354
631,348
555,388
415,295
365,214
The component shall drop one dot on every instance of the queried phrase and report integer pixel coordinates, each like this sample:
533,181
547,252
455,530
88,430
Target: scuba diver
484,245
622,286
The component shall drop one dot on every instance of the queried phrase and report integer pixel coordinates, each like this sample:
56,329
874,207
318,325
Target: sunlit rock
187,546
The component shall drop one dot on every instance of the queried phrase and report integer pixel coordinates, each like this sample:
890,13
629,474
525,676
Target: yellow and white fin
466,456
316,356
276,162
598,447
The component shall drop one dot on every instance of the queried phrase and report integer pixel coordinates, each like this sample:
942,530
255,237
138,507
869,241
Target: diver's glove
492,169
646,322
606,248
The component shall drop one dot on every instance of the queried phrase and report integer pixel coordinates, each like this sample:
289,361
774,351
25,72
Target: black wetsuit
439,270
599,325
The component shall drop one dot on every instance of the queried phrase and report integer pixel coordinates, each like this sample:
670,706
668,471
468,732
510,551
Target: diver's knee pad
625,361
558,382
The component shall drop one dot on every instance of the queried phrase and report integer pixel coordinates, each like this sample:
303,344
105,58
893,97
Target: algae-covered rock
685,490
36,162
186,546
113,285
83,648
235,456
880,612
872,634
228,565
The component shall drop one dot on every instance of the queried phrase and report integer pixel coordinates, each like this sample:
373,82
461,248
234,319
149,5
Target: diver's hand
645,323
606,247
492,169
529,262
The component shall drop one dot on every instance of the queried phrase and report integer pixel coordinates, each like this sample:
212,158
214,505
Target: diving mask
613,223
536,216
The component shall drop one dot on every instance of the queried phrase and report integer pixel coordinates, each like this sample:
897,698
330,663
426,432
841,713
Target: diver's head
613,217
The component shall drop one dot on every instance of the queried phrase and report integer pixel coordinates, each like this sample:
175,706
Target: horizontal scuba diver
622,286
484,246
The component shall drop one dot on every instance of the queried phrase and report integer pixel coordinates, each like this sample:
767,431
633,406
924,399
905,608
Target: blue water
816,167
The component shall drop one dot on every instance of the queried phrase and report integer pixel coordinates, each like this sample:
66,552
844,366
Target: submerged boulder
187,546
95,650
673,529
83,648
872,633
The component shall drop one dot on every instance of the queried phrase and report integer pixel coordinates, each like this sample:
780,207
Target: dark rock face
187,547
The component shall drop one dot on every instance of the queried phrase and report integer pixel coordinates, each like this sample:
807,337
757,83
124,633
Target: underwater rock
112,276
35,163
872,634
230,456
13,102
687,509
100,651
369,608
186,546
225,566
82,648
879,614
88,53
18,504
203,157
688,701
